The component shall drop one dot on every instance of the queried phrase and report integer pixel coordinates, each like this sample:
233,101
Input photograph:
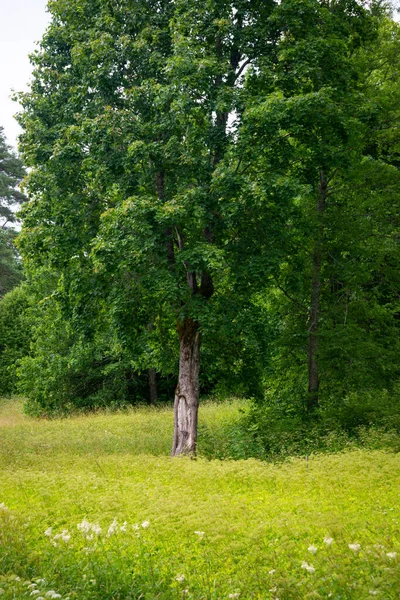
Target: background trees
11,174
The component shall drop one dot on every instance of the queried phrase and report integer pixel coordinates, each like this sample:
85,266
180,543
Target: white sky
22,23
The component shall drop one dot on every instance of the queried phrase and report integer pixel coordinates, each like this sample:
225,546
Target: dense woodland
213,209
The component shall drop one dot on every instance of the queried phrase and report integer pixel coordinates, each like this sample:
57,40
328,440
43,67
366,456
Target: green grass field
93,508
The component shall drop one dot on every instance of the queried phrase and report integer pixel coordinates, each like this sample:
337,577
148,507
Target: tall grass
95,509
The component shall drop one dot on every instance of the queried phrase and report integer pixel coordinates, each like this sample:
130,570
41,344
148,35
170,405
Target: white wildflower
235,595
271,572
373,593
355,547
40,580
328,540
113,528
86,528
180,578
3,506
125,525
391,554
313,549
32,586
200,534
96,528
65,536
53,594
145,524
48,532
34,592
307,567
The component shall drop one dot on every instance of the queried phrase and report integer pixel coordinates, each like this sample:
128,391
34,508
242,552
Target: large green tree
330,127
126,130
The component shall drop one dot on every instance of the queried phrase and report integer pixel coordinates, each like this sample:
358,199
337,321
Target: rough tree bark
186,403
313,320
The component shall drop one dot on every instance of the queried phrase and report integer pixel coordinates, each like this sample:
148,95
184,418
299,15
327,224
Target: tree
11,174
126,129
333,133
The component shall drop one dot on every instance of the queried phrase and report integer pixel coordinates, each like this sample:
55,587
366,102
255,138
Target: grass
261,521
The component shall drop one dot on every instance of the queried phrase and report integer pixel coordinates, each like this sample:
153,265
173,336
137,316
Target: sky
22,23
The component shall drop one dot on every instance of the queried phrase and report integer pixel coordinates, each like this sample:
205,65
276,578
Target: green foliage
15,335
279,429
11,174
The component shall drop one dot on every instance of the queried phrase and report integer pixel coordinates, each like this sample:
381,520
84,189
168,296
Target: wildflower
65,536
200,534
85,527
354,547
328,540
32,586
53,594
48,531
312,549
125,525
391,554
145,524
271,572
3,506
373,593
235,595
96,528
113,528
180,578
40,580
307,567
34,592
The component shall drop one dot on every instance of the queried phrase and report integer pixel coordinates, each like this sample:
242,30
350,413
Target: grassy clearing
264,525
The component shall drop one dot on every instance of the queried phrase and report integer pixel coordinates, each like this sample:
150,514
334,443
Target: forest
210,207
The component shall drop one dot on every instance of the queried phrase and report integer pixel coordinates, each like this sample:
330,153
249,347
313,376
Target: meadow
93,508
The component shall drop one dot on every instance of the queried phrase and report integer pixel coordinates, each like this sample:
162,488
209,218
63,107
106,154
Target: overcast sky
22,23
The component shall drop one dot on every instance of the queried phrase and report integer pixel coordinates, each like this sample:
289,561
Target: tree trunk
187,391
313,322
152,386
